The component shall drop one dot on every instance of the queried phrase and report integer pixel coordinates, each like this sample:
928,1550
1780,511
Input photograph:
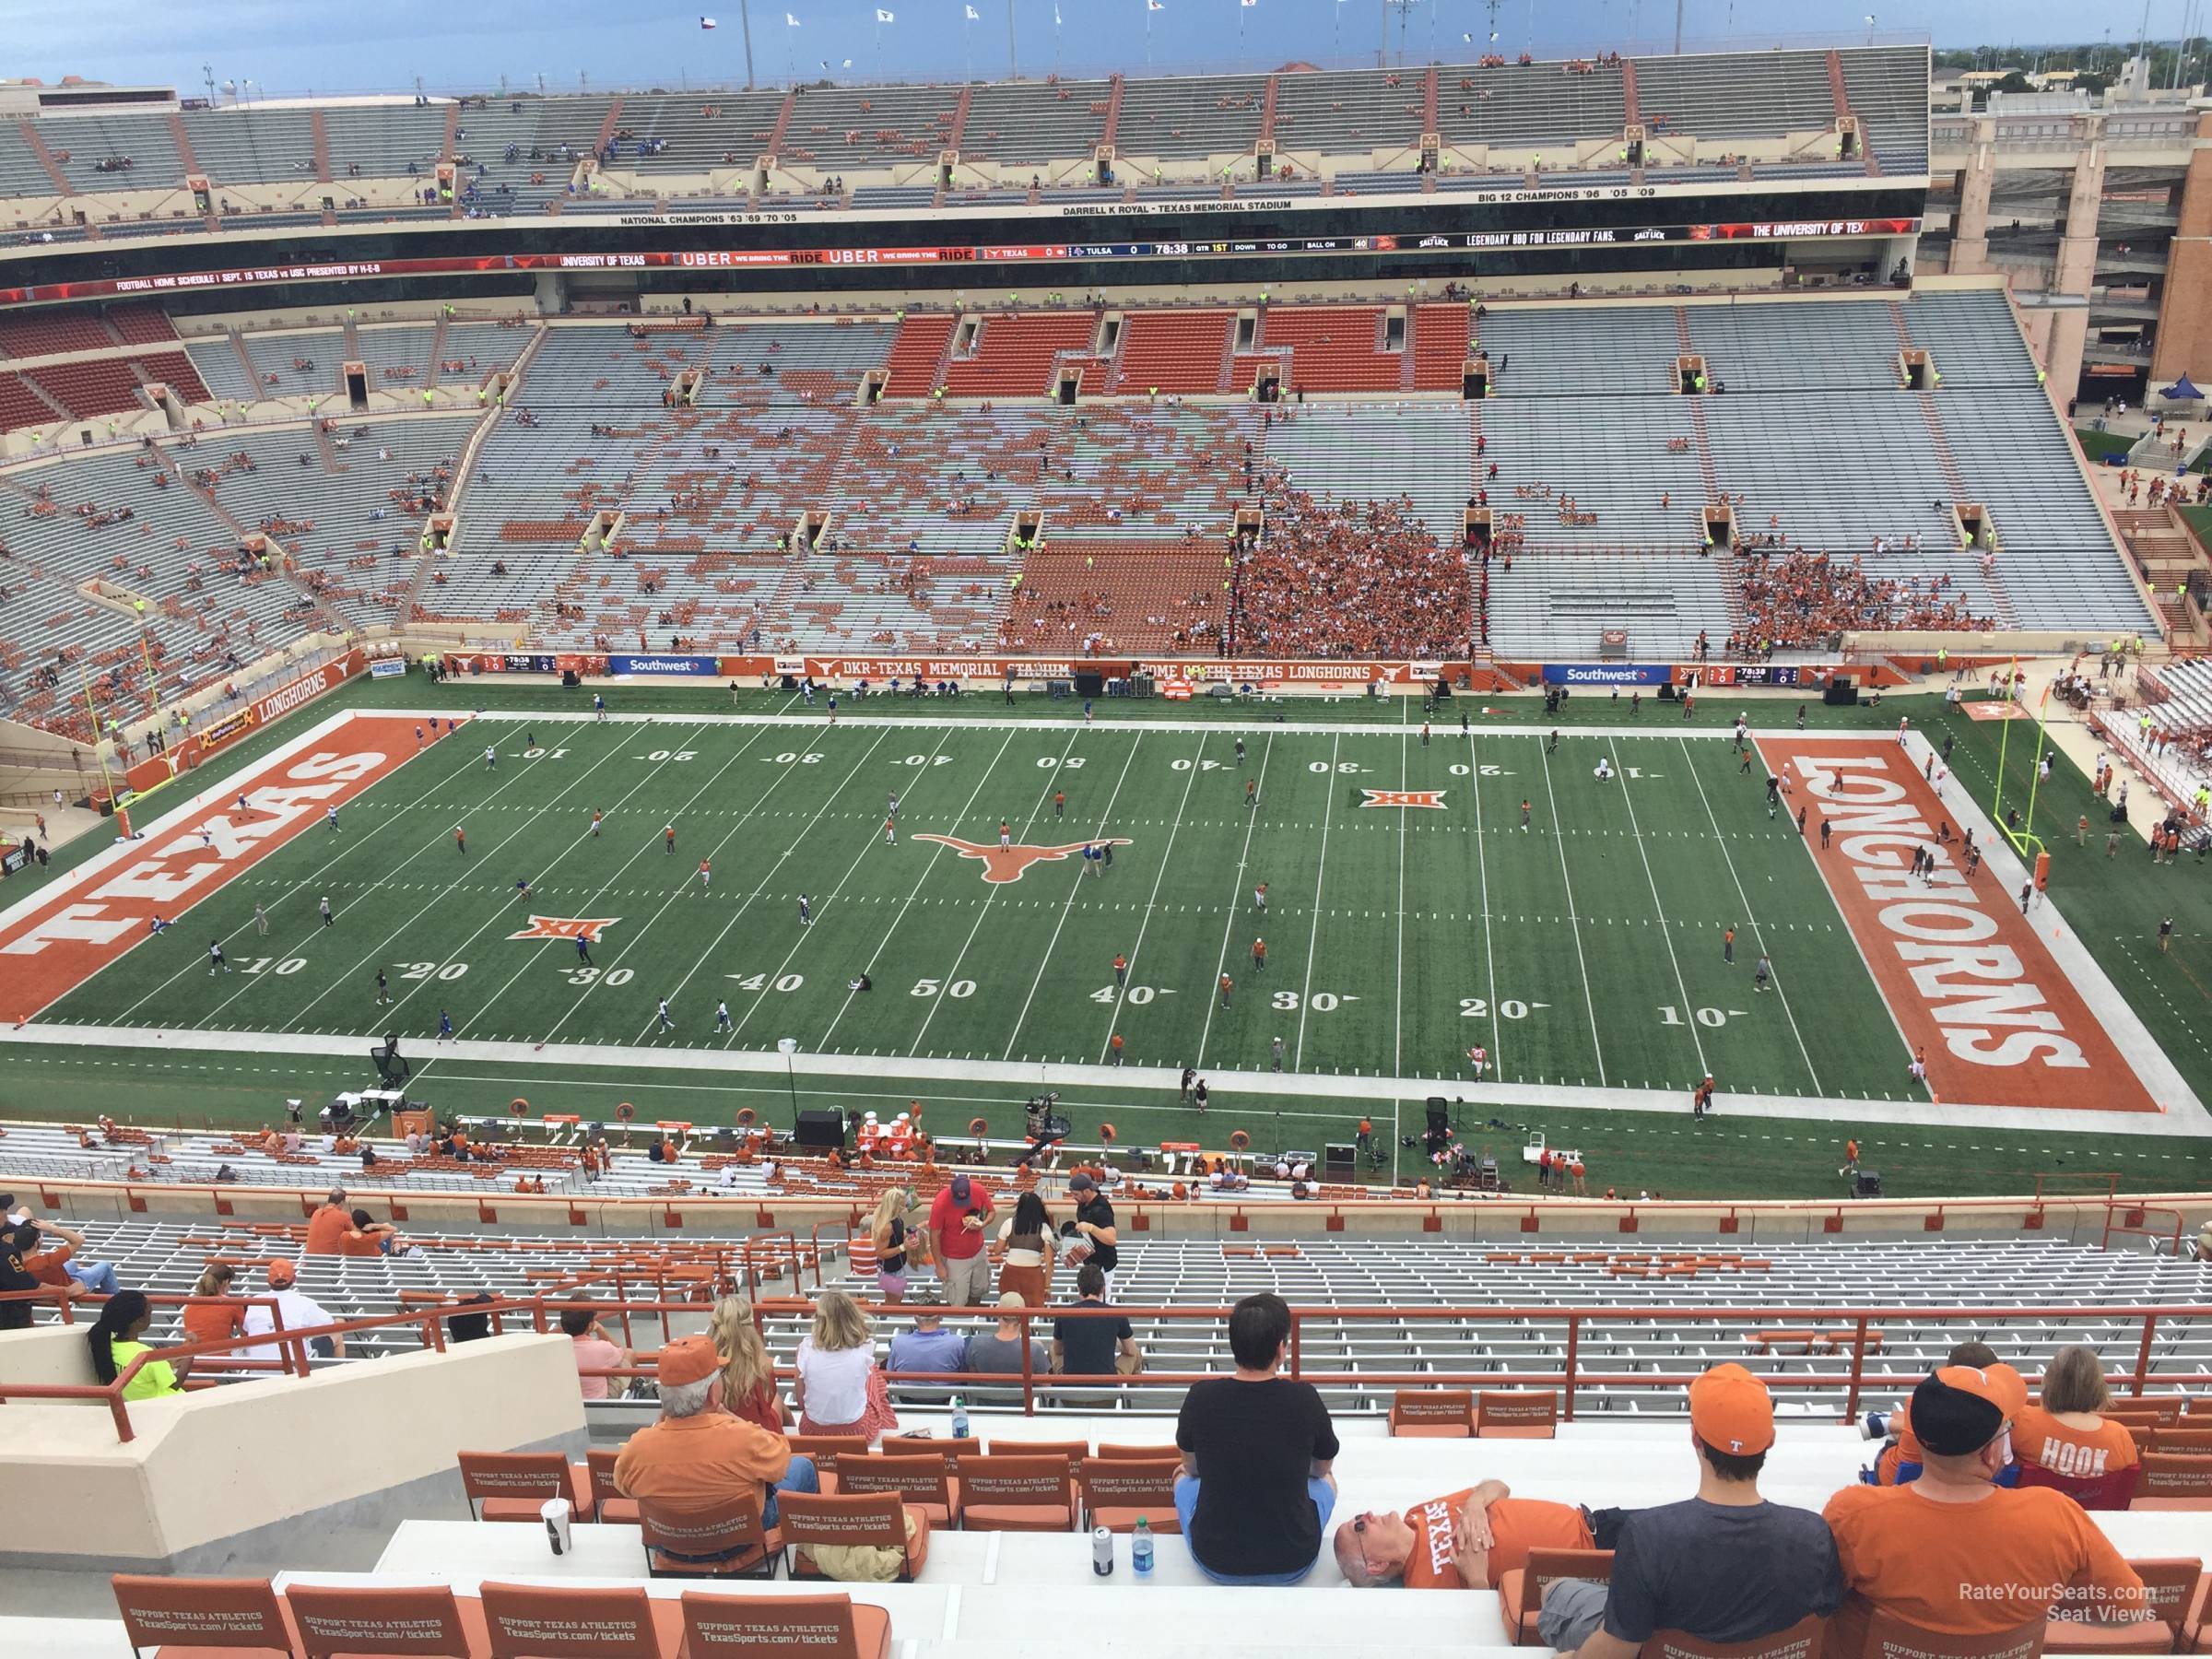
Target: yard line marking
499,919
1074,887
775,870
1590,1003
1482,869
1314,932
441,892
1044,793
1053,781
867,844
1751,916
1167,857
1251,820
312,880
1689,1011
681,886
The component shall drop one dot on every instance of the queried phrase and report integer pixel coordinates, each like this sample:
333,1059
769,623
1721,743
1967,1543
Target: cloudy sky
287,47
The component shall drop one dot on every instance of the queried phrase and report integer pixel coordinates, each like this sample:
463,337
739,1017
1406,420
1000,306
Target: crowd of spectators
1338,579
1794,600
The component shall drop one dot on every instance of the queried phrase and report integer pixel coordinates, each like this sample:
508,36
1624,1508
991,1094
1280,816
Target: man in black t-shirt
1256,1492
1087,1348
1726,1566
1094,1223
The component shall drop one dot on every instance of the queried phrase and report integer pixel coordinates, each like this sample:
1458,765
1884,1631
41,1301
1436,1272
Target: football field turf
976,983
1410,912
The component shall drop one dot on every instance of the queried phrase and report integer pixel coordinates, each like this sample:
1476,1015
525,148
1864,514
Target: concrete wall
204,1482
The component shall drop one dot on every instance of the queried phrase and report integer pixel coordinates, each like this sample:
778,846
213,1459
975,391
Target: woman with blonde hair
886,1231
839,1389
749,1376
2087,1455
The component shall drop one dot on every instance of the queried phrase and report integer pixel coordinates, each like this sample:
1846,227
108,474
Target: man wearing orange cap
1462,1542
1954,1552
1726,1566
699,1455
302,1312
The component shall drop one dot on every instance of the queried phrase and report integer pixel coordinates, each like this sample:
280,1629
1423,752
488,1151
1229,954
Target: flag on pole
1056,13
1250,2
706,22
1153,6
974,16
884,16
790,19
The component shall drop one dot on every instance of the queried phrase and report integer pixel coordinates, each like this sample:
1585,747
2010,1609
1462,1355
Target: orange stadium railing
1855,1332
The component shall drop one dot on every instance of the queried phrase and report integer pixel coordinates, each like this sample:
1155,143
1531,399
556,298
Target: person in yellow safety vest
426,395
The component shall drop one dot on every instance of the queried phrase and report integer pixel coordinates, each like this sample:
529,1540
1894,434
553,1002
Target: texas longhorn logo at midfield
1007,864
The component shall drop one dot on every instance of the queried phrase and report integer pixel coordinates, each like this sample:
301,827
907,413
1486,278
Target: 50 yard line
1074,887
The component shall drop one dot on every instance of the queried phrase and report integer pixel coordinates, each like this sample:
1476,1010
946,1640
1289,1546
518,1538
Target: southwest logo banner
587,928
1403,797
1008,863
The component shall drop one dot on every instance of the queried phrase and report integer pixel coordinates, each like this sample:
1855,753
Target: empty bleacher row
520,153
1640,1309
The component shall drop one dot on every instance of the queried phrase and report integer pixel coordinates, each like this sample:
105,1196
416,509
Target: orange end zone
60,939
1965,973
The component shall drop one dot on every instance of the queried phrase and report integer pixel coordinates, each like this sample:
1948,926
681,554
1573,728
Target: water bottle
1140,1548
1102,1552
959,1418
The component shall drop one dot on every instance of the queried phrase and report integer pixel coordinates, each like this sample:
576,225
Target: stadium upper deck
72,169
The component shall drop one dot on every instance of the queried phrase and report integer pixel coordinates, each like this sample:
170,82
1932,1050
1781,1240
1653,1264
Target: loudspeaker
571,678
820,1128
1088,684
1666,691
1438,1113
1869,1183
1841,693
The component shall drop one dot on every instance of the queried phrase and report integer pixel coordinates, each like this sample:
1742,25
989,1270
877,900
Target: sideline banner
1608,674
189,748
658,668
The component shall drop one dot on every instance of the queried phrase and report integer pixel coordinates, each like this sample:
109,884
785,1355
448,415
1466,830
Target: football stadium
809,911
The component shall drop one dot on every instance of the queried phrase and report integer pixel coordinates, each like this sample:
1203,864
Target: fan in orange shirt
1899,1460
1461,1542
328,1225
1954,1553
2067,1441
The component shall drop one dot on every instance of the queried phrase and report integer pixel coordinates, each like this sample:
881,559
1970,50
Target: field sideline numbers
673,755
544,754
423,970
786,983
1070,764
1459,770
1670,1014
927,760
1185,765
1137,994
928,987
613,976
261,964
788,757
1475,1007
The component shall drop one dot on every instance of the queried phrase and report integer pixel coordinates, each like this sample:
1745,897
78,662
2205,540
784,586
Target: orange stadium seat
876,1520
348,1622
1531,1415
1018,1494
730,1538
1800,1640
231,1617
1118,1493
513,1485
1521,1589
1434,1414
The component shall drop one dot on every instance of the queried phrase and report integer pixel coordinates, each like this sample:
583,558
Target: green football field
1396,935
